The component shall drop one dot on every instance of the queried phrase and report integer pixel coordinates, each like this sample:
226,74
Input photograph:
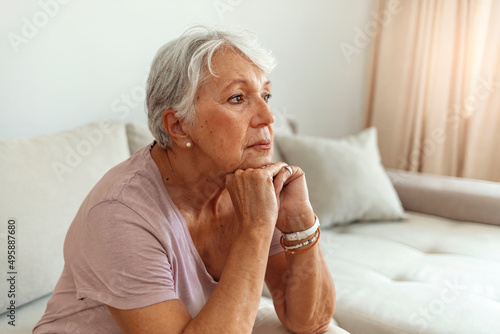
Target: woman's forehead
232,69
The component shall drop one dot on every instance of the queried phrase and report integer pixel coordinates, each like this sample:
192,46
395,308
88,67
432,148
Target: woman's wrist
300,246
296,223
304,234
300,241
292,243
257,228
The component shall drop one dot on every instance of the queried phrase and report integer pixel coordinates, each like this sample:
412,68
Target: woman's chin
257,163
254,161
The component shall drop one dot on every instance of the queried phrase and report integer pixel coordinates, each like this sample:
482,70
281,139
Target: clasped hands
275,194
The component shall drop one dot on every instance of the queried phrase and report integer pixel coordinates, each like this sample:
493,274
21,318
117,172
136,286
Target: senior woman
181,237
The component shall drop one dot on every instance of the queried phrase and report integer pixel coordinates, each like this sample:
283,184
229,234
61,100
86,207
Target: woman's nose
263,114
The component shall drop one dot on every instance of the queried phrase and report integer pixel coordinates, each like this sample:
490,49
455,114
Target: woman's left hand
295,211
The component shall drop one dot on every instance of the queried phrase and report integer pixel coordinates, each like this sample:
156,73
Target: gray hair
179,69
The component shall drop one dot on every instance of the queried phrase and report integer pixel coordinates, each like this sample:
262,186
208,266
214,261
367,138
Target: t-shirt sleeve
275,243
118,260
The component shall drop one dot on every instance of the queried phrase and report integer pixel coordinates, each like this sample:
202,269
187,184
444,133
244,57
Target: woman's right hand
253,195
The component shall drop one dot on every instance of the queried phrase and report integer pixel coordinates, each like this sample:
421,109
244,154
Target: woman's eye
236,99
267,97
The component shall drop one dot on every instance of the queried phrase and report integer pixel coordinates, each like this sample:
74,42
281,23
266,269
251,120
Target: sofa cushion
345,177
138,136
423,275
267,321
26,317
47,178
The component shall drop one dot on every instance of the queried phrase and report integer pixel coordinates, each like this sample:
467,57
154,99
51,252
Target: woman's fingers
275,168
276,194
250,189
282,178
279,172
264,188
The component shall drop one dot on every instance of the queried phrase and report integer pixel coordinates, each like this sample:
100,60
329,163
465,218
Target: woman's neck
192,189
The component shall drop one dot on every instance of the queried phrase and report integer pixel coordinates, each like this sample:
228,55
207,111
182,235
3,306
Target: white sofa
429,273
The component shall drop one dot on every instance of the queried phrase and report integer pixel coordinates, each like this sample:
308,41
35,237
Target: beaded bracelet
291,249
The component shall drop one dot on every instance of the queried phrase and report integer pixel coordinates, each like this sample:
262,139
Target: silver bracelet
305,243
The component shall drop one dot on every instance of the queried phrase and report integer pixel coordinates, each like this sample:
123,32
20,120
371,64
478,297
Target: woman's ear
175,128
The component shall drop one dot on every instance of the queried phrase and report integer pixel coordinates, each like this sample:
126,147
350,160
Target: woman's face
233,128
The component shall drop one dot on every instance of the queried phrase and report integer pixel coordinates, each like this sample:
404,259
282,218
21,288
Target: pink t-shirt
128,247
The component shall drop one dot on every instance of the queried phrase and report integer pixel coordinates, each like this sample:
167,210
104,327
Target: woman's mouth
264,144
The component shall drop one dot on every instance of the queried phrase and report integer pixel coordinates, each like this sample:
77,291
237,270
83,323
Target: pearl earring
188,144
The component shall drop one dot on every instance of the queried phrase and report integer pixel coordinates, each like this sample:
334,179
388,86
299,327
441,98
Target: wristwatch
295,236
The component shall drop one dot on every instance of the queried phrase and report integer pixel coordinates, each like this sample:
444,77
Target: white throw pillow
138,136
345,177
44,181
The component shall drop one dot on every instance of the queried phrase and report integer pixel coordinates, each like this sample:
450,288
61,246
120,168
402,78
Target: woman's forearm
233,305
309,293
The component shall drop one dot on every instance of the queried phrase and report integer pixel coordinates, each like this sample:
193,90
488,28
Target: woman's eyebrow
234,82
242,81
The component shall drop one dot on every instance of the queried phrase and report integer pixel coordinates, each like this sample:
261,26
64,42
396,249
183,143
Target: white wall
88,60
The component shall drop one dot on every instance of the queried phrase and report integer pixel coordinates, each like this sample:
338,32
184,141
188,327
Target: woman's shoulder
126,198
128,177
137,186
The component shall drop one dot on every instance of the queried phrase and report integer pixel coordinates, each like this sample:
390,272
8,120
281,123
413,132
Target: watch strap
295,236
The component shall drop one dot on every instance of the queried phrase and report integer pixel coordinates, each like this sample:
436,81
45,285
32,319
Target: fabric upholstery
449,197
345,178
138,136
423,275
267,321
47,178
26,317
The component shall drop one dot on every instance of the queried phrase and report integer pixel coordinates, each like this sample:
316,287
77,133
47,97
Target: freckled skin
226,127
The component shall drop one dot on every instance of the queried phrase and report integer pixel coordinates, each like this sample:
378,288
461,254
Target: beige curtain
434,86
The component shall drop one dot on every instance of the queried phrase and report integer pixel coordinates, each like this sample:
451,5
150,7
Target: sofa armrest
448,197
